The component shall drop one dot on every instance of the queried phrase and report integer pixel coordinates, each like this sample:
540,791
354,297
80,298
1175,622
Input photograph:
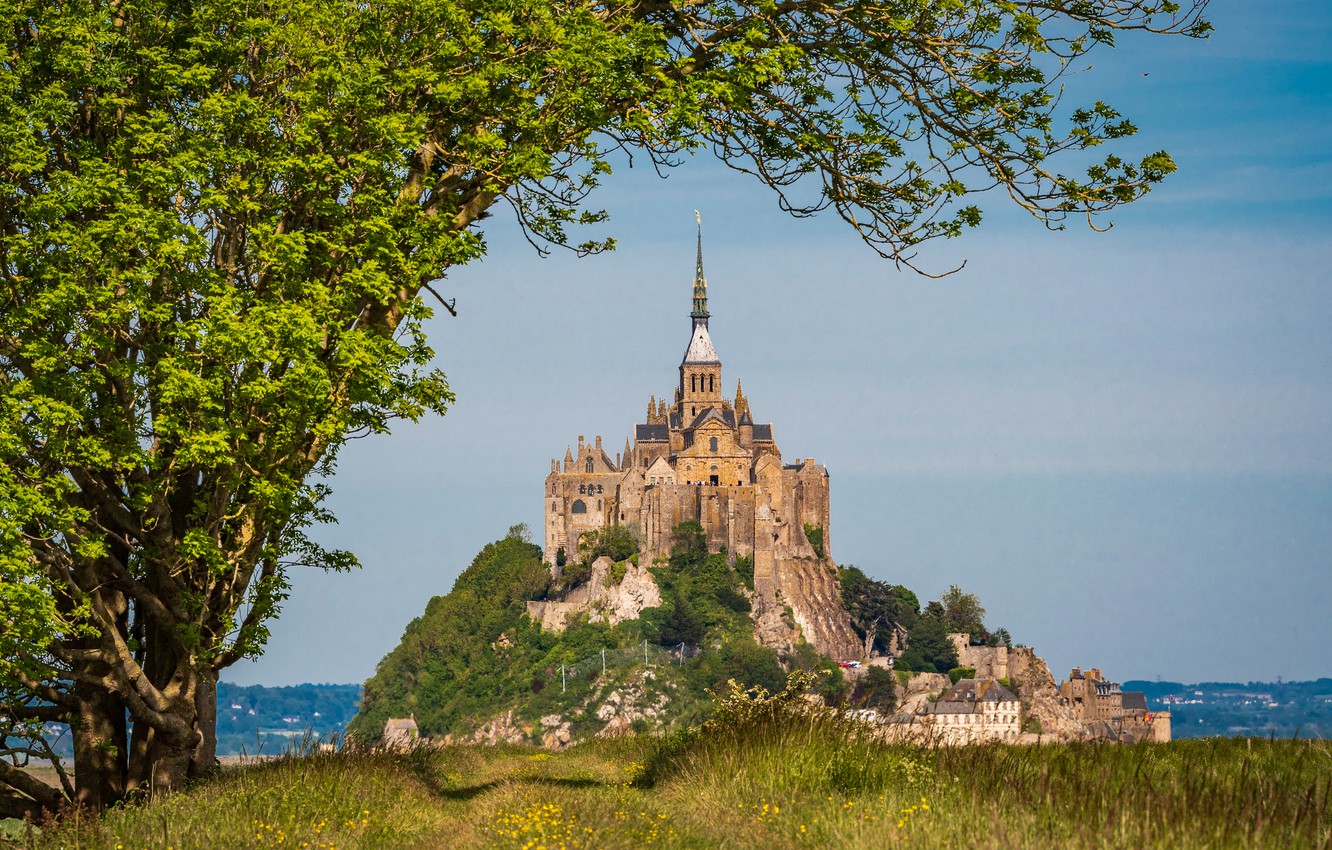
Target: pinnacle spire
700,310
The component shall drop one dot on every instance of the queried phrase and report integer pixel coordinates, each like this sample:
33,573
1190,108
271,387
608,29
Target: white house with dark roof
973,711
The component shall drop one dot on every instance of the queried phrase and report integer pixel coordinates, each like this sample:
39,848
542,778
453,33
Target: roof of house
763,433
652,433
400,724
971,691
1135,699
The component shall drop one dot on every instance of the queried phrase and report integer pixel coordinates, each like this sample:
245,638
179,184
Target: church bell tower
700,371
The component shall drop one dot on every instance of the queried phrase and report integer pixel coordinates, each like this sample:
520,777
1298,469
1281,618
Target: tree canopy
221,226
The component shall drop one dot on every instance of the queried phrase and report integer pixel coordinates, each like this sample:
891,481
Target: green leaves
216,222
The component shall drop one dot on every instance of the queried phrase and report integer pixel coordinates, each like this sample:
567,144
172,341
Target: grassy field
760,774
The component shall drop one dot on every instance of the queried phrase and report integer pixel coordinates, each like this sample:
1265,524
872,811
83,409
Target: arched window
693,383
579,507
589,464
709,383
712,444
600,489
554,506
598,504
582,488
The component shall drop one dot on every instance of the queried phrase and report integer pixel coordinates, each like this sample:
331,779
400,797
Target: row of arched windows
590,488
696,383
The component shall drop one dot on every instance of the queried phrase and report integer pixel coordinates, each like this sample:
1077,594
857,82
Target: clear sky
1121,441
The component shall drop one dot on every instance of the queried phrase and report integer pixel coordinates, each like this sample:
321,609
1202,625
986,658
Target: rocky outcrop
1036,688
919,688
602,598
809,586
502,729
620,709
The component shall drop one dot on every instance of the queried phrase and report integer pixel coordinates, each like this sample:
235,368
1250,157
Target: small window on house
709,383
582,488
598,504
579,507
712,444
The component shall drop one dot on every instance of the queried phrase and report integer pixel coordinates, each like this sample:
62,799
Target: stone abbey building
703,457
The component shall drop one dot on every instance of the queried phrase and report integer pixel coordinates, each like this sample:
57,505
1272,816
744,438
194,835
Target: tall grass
766,771
842,777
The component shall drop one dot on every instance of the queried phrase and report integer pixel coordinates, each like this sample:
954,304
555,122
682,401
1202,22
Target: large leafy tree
221,223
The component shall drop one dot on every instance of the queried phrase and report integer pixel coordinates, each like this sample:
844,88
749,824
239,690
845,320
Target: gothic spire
700,310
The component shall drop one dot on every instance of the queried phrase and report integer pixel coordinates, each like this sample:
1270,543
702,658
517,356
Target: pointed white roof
700,346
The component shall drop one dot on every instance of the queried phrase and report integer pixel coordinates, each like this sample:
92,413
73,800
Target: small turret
568,459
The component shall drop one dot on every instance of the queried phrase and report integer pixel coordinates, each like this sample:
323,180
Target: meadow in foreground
766,772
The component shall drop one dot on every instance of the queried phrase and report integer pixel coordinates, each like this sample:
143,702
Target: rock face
604,599
811,589
618,707
918,690
1040,695
502,729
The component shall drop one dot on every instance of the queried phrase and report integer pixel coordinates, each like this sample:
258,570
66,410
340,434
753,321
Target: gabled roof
973,691
659,468
763,433
725,417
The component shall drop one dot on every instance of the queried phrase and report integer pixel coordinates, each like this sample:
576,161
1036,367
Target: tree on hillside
928,648
221,227
963,612
876,606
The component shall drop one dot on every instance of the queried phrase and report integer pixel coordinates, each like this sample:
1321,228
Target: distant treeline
255,718
1262,709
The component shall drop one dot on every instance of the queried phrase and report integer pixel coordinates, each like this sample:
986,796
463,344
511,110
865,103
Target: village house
973,711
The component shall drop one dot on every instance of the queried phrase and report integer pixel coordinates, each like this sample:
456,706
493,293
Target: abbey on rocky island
702,457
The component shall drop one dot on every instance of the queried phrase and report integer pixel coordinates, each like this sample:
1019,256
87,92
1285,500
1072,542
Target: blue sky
1121,441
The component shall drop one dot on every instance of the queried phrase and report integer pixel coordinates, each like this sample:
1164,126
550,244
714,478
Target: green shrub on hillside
957,674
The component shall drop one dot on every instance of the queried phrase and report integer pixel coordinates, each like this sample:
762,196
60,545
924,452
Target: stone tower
700,370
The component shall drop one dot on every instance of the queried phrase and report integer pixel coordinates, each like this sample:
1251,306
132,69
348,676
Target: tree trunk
163,761
204,760
100,752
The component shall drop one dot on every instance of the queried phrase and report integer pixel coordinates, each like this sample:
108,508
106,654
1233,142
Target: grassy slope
794,783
